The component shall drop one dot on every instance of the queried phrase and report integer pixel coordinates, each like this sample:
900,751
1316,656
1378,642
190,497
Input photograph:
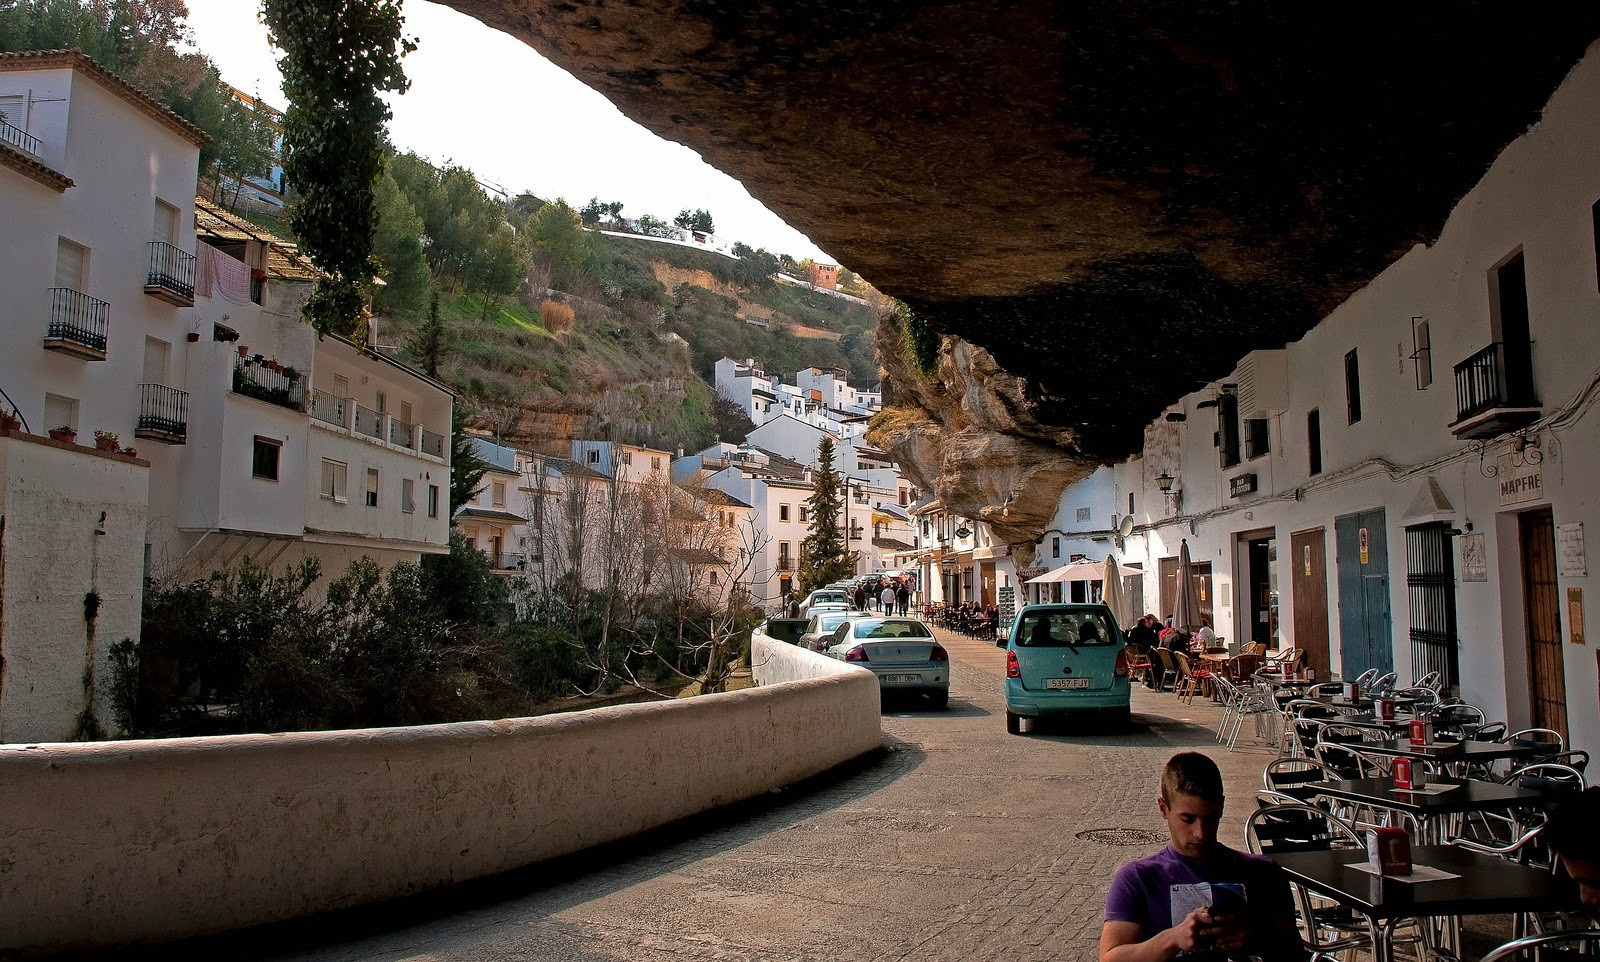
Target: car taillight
939,654
1013,670
1122,664
857,653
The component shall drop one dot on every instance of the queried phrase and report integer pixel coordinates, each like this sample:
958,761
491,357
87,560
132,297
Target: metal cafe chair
1583,942
1289,776
1365,679
1326,927
1433,681
1383,685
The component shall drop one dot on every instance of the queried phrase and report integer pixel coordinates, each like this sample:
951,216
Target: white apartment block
117,330
492,520
633,463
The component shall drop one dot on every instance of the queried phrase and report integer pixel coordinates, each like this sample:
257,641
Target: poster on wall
1569,550
1008,606
1575,614
1474,566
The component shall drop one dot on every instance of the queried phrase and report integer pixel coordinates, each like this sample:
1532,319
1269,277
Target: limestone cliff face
969,434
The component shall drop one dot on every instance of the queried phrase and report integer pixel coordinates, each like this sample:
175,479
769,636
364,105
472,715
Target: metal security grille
1430,580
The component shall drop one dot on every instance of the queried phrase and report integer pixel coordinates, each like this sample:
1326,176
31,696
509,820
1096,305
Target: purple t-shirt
1146,892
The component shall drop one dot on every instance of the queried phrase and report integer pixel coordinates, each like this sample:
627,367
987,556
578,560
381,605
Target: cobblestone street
960,842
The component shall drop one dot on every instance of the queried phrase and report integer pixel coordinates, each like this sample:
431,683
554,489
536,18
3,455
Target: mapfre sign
1519,483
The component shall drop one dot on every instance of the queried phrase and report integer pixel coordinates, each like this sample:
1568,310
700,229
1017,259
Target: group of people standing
890,596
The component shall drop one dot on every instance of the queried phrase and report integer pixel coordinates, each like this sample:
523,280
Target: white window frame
339,490
408,496
374,485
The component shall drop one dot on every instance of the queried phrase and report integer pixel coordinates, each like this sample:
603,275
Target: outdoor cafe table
1485,886
1431,807
1454,757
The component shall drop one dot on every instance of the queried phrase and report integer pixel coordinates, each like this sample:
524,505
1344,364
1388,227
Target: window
498,494
72,265
405,412
1130,502
433,500
1055,547
783,555
1422,352
372,487
1257,437
1352,387
335,476
60,412
341,386
805,514
1314,440
655,463
165,228
593,456
264,458
627,457
1228,428
783,512
380,402
408,494
1082,515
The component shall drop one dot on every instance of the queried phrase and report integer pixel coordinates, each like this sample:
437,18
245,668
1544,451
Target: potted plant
107,441
290,373
244,351
194,336
10,421
65,432
130,452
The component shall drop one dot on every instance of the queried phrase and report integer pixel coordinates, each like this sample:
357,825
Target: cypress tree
824,556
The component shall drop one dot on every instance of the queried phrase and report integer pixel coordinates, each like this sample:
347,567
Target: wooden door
1547,675
1200,571
1309,550
1362,559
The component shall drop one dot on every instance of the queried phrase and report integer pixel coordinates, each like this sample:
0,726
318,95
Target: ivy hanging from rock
338,56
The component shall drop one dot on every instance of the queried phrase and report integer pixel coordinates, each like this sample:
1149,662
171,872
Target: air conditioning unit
1263,384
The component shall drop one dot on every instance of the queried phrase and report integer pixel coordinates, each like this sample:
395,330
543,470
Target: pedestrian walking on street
1198,898
886,600
902,595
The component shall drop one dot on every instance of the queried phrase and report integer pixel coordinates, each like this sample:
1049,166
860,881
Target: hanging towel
224,275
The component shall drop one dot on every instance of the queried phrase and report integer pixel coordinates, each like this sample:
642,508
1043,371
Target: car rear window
892,629
1058,629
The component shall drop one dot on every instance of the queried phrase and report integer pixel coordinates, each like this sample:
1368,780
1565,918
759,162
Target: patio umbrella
1115,598
1081,570
1186,610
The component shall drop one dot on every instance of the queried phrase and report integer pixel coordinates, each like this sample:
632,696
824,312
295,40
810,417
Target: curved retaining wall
136,841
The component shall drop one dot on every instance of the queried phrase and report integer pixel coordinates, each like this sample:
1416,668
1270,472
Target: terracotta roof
569,468
893,544
221,222
682,512
718,497
82,62
286,262
29,166
490,514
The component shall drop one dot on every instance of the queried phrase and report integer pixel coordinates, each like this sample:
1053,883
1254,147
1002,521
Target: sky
556,138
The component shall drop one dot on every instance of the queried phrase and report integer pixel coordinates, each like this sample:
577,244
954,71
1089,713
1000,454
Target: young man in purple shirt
1198,899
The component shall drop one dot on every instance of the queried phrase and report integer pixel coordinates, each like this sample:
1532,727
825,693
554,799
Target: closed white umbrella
1186,609
1115,598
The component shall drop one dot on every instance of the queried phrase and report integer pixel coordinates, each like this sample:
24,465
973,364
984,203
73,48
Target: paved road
960,842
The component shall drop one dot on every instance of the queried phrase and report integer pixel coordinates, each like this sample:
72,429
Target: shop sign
1520,482
993,551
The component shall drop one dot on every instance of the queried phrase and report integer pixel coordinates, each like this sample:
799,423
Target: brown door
1201,571
1309,556
988,582
1547,675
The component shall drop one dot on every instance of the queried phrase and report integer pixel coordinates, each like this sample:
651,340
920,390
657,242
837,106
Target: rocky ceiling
1115,199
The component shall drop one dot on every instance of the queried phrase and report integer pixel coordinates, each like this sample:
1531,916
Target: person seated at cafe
1205,636
1178,641
1143,635
1570,833
1167,905
1166,634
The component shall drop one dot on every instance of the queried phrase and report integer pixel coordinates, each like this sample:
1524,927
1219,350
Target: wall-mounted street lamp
1164,482
963,532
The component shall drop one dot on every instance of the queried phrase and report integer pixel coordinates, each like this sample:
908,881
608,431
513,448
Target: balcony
368,422
1494,393
18,138
78,324
346,413
328,408
171,276
401,433
254,379
163,414
432,443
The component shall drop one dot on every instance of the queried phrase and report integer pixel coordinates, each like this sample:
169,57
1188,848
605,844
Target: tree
498,268
431,340
466,468
729,420
824,556
398,247
694,220
556,235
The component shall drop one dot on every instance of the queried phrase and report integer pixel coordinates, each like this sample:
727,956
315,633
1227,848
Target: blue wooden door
1363,566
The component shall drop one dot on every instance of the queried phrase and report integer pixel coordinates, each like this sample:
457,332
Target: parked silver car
822,625
902,652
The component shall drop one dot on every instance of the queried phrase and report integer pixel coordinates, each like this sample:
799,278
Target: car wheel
940,698
1013,723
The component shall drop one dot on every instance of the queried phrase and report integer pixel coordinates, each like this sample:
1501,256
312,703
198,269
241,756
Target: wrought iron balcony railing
1486,381
163,414
18,138
78,324
171,276
256,380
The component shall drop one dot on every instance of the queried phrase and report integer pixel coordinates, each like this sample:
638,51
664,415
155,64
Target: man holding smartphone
1198,899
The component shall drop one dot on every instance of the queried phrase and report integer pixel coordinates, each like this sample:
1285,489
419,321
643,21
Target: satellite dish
1125,528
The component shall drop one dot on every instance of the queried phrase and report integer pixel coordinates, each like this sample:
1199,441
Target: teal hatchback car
1066,659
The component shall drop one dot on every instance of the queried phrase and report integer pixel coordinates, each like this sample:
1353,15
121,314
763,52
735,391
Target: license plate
1060,683
901,679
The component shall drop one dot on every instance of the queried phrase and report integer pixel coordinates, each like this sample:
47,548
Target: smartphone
1227,899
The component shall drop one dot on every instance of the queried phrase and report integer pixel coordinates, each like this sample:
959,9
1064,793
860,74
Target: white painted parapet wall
118,842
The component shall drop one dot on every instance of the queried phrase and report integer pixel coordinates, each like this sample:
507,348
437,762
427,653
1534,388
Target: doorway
1201,570
1431,588
1310,589
1547,675
1261,590
1362,558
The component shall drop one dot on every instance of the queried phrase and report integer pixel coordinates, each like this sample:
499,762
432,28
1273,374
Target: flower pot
107,446
194,336
130,452
244,352
10,423
67,436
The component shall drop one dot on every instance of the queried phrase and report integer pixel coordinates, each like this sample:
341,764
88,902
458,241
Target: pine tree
428,344
824,556
466,467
